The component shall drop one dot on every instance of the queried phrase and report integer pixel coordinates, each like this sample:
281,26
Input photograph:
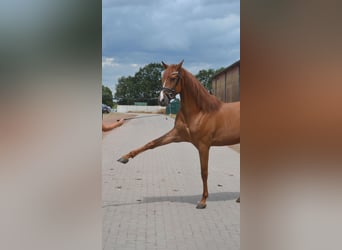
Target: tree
205,76
107,96
219,70
125,91
144,86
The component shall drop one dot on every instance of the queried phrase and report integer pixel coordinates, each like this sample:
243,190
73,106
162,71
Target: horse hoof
123,160
201,206
238,200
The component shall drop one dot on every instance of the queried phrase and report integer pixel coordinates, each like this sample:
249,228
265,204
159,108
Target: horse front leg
171,136
204,156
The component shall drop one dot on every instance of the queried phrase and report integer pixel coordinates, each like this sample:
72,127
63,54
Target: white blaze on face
161,95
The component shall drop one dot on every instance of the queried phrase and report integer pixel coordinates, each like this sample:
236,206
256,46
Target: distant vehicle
106,109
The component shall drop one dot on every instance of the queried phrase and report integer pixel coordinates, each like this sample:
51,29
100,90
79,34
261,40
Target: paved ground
149,203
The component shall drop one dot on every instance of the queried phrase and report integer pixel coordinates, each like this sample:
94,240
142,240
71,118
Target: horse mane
205,101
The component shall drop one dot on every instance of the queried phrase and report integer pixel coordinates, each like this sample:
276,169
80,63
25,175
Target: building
226,84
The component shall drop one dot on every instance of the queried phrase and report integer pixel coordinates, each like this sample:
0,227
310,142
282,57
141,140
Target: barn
226,84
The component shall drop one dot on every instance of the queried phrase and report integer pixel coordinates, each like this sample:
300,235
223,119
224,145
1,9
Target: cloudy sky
205,33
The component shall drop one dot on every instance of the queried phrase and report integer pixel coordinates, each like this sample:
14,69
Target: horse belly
226,140
227,130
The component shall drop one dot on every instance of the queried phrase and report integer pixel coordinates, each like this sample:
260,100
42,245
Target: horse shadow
190,199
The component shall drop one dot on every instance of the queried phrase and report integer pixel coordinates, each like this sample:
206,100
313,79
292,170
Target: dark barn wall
226,85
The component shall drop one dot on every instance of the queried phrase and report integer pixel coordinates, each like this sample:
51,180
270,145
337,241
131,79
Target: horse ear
165,65
179,65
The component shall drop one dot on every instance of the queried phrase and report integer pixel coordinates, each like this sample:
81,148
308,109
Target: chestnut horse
202,120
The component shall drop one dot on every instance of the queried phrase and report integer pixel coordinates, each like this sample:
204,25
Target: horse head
171,83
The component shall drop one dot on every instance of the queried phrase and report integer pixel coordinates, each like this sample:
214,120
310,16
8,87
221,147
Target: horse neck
189,103
195,98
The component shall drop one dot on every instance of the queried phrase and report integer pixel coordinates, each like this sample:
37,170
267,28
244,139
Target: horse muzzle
163,99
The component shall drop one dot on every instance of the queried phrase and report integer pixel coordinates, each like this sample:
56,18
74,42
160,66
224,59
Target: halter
171,92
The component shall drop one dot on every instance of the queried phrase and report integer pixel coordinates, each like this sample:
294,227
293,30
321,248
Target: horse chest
198,131
195,128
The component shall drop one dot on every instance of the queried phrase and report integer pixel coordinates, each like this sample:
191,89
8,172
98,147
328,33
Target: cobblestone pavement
149,203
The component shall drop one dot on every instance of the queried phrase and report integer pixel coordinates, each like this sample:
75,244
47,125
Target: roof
237,63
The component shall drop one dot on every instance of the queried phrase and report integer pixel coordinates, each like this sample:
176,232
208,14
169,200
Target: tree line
145,85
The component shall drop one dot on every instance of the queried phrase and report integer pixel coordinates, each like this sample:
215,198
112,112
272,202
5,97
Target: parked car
106,109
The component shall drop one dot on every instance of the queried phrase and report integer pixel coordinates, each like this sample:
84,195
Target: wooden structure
226,84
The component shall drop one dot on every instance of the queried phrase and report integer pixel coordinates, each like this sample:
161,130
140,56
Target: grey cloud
122,3
201,32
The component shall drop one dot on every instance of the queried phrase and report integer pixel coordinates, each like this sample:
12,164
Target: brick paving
149,203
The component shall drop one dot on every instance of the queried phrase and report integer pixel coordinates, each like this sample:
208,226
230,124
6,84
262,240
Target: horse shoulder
182,127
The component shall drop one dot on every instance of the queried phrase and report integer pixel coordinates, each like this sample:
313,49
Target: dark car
106,109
